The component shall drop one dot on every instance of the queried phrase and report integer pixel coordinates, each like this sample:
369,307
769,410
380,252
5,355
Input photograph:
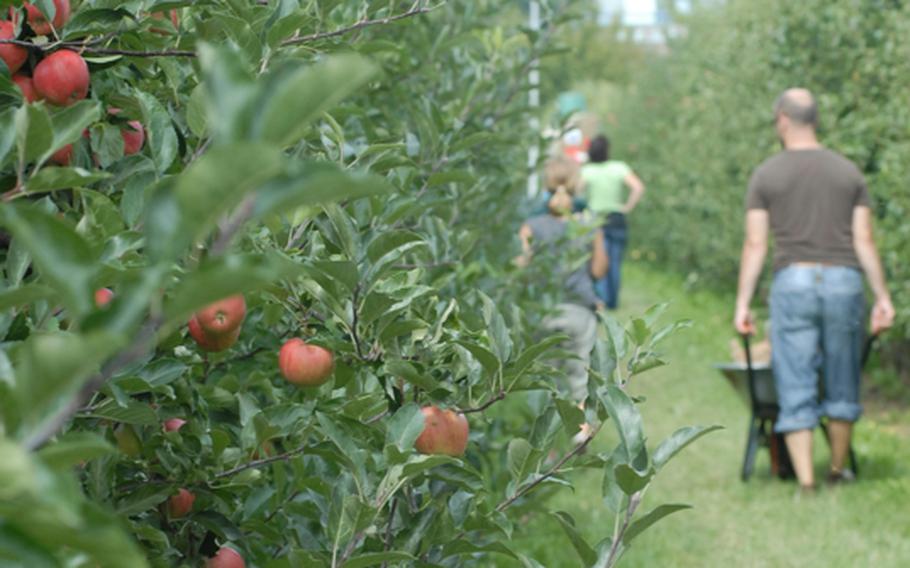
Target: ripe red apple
223,316
127,440
211,342
226,557
63,157
38,21
27,87
305,365
175,19
103,296
180,504
13,55
174,424
133,134
445,432
62,77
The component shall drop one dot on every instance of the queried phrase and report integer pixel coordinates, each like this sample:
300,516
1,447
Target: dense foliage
698,121
351,168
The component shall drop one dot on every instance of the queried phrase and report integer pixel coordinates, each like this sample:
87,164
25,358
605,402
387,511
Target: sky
637,12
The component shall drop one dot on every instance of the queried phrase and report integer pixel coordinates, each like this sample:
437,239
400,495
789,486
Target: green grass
754,524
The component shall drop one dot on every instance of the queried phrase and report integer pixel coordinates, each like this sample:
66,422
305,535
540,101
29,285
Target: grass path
754,524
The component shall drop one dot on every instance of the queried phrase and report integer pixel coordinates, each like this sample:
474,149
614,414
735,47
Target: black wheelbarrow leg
751,448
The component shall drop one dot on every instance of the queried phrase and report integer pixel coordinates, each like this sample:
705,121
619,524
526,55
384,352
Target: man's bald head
799,106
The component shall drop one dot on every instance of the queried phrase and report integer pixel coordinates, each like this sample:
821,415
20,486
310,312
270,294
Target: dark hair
799,106
599,150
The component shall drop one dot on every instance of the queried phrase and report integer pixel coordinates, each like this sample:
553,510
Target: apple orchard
254,309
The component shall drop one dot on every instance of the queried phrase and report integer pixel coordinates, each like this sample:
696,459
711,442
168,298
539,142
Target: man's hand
882,316
743,321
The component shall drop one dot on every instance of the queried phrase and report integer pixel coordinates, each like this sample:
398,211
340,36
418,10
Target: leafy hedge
698,120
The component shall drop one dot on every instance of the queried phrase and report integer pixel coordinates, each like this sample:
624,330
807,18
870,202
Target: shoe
840,477
805,492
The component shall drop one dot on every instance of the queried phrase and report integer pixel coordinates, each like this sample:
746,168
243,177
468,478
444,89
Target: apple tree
257,306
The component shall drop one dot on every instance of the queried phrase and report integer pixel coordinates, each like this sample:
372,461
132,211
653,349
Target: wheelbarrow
755,385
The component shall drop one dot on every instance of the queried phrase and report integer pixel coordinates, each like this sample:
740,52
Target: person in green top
606,182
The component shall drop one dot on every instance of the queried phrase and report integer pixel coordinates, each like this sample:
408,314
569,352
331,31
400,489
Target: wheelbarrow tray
737,374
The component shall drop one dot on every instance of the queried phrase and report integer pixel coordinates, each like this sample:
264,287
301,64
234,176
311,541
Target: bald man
816,204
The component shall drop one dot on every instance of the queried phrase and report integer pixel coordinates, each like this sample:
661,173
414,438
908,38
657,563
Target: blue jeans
817,315
607,288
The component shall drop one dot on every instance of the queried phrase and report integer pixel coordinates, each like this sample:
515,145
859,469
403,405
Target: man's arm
636,190
755,247
882,316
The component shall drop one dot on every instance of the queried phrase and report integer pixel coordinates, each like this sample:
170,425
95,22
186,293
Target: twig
243,357
258,463
230,228
550,473
634,502
377,418
493,400
354,320
81,47
388,530
359,25
140,346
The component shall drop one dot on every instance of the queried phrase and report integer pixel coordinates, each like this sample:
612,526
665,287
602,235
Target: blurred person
562,242
606,182
816,204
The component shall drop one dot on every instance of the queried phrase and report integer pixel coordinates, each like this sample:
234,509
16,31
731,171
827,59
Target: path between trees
754,524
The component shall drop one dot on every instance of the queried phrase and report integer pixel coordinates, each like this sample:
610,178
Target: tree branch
258,463
82,48
550,473
493,400
634,502
139,347
415,11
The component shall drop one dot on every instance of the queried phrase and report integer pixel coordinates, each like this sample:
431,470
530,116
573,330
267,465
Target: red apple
62,77
175,19
210,342
180,504
305,365
103,296
174,424
27,87
133,138
63,157
226,557
13,55
445,432
222,317
133,134
38,21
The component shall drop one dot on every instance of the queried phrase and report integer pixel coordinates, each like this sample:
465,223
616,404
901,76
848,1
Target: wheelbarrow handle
750,371
867,349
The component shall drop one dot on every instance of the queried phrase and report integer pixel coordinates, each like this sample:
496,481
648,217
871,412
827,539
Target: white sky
637,12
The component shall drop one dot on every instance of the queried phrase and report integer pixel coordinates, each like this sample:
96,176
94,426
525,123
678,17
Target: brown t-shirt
809,196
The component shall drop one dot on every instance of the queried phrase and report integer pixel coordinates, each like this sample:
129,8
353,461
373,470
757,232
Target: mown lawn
754,524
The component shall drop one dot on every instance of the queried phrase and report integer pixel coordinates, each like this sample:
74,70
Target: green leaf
679,440
584,550
66,261
627,421
230,91
217,181
408,372
522,460
34,132
405,426
343,272
629,480
486,357
52,179
314,183
642,523
225,276
24,295
374,558
462,546
70,122
52,366
295,100
74,448
136,413
8,133
159,131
